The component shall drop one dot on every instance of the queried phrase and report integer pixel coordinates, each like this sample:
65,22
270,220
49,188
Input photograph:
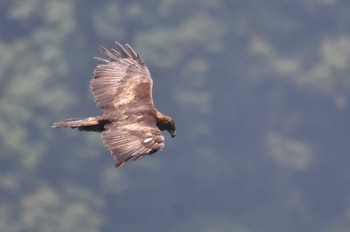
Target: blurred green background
259,91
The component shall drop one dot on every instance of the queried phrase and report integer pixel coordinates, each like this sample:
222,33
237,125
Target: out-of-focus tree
259,91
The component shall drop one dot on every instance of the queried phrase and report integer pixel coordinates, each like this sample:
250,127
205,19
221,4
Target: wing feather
122,50
131,51
121,81
126,143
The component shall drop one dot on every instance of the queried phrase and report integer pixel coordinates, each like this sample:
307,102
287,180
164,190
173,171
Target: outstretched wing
122,81
132,141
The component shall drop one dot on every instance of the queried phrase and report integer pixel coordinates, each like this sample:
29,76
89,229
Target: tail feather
84,124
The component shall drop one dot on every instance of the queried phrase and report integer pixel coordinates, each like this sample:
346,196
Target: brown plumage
131,125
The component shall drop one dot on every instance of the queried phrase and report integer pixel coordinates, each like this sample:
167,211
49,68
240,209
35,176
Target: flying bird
131,126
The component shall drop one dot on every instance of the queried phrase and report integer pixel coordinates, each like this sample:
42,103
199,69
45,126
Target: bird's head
165,122
171,129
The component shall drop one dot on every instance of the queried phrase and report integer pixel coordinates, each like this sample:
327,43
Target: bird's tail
84,124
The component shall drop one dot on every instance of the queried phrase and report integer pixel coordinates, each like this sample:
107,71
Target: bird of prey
131,125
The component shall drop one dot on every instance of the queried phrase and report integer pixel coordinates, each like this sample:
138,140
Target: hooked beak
172,133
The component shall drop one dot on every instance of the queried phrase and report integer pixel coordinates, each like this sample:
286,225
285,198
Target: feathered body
131,125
